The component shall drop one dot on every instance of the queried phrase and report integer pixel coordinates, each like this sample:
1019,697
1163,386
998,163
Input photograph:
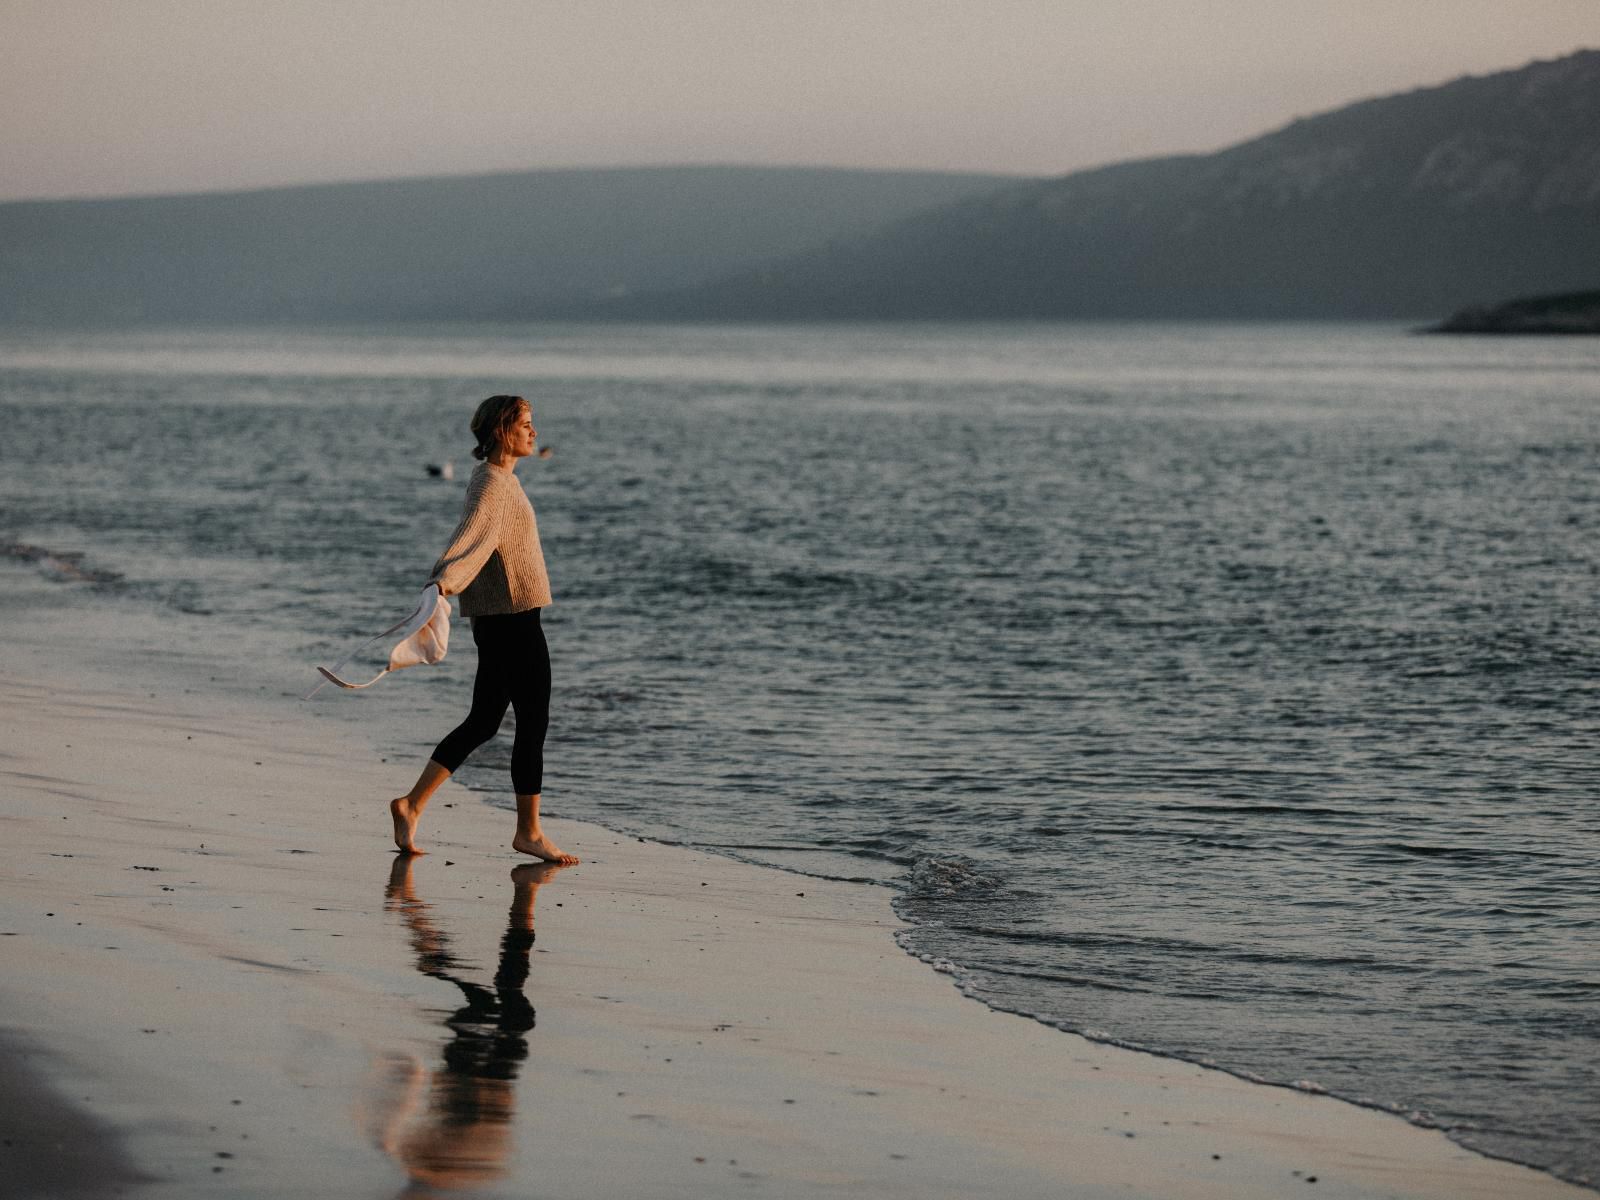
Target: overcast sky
107,97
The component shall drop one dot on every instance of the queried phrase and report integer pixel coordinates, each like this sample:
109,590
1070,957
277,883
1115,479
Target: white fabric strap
425,613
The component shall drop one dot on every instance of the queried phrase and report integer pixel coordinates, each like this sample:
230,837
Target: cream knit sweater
494,561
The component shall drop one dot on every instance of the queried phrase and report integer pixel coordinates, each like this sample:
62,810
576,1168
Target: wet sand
50,1148
210,949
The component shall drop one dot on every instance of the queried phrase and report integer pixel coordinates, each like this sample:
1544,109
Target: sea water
1228,691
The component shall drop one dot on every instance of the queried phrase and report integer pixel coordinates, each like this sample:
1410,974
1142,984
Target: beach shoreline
212,944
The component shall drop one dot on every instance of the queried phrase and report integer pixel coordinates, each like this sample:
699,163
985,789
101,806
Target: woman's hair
493,421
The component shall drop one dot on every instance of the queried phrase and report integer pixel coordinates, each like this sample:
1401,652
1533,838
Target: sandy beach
218,977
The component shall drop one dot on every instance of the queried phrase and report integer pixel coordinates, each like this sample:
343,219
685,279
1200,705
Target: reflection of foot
405,825
526,879
393,1095
542,847
400,887
534,873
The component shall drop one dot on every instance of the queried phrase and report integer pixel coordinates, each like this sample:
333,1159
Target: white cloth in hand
424,638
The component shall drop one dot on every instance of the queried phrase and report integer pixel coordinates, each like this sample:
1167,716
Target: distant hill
1571,312
1404,206
490,246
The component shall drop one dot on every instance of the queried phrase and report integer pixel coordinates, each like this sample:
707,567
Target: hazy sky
123,96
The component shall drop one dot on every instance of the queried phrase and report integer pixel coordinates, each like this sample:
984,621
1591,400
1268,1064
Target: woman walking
495,565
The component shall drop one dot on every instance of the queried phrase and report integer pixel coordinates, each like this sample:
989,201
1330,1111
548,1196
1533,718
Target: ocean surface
1228,691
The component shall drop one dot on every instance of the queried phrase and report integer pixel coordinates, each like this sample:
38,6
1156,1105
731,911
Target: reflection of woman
460,1136
494,563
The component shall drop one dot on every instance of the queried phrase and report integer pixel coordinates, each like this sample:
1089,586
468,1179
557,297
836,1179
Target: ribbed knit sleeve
475,538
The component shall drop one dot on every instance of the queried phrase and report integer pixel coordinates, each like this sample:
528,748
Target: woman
495,565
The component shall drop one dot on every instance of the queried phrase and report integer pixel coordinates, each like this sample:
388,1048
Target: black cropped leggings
514,669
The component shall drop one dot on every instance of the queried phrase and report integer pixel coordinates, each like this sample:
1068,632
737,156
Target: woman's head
495,425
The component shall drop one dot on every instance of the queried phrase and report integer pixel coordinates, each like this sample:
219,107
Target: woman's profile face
519,440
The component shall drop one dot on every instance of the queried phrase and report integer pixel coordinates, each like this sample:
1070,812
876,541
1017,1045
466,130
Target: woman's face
519,441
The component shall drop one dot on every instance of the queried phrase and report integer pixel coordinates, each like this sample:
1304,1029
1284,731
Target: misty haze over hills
485,246
1410,205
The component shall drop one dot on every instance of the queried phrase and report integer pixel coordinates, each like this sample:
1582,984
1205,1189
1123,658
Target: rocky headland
1570,312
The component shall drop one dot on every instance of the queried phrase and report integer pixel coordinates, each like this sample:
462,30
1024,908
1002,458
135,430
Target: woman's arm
473,541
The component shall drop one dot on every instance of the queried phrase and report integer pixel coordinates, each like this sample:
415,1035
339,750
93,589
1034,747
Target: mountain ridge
446,247
1405,205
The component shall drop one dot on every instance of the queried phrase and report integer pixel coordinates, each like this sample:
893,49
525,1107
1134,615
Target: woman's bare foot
530,838
407,810
405,824
541,846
